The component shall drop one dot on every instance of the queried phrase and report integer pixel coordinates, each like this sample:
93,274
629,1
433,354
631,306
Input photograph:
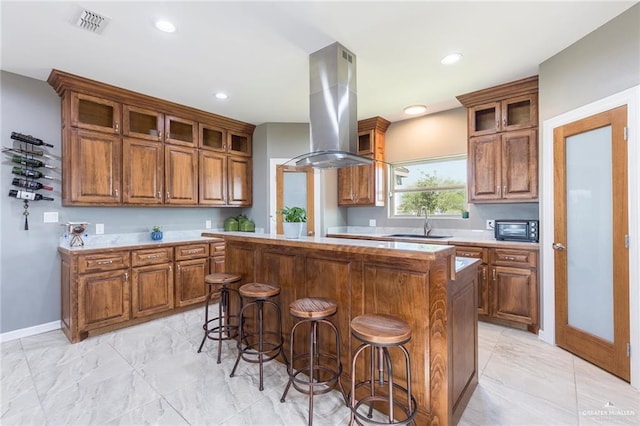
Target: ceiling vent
92,21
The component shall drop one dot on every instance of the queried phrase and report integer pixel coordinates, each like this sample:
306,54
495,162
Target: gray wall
602,63
30,273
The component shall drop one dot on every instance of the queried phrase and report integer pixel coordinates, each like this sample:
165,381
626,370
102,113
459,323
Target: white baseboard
29,331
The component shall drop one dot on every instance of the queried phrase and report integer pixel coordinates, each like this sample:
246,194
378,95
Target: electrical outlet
50,217
491,224
372,222
99,228
207,224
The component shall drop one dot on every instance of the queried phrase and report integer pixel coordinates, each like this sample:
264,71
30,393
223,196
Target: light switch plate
372,222
491,224
50,217
99,228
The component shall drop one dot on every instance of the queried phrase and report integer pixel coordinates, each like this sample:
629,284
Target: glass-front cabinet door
94,113
212,138
180,131
239,144
142,123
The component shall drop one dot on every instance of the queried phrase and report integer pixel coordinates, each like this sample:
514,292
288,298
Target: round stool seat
380,329
258,290
313,307
222,278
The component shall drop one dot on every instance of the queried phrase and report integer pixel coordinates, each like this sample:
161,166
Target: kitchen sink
419,236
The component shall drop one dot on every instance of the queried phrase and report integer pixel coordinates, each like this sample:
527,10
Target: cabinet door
93,168
364,185
103,299
190,287
346,195
366,145
179,131
520,112
93,113
152,289
142,123
484,168
212,138
239,181
212,182
181,175
484,119
520,165
483,290
143,171
514,294
239,144
216,265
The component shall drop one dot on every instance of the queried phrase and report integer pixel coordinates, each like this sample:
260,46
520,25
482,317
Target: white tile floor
151,374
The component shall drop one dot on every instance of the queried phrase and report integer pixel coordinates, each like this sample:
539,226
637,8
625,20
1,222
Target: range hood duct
333,110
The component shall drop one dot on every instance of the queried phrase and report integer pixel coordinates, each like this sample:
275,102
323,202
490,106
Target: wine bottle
26,195
31,162
30,184
35,174
29,139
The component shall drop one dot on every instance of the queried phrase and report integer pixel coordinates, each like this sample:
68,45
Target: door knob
558,246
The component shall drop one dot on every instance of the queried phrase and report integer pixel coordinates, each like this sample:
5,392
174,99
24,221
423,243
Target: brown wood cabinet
225,180
180,175
102,122
91,169
151,281
192,265
103,290
106,289
366,185
503,142
483,283
142,171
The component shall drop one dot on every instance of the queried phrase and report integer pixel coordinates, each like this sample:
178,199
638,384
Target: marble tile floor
151,374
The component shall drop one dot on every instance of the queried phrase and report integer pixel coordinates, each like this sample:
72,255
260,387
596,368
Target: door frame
630,97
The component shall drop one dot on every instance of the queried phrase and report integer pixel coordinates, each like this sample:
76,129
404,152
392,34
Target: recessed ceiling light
415,109
164,25
221,95
451,58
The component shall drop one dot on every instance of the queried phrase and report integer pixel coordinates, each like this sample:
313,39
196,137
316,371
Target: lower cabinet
507,285
103,299
151,281
192,265
102,290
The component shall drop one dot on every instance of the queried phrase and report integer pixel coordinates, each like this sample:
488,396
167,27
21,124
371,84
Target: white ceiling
258,52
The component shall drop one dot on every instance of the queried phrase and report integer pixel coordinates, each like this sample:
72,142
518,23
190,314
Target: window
439,184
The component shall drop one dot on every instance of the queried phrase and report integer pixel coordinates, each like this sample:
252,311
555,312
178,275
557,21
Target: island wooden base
416,286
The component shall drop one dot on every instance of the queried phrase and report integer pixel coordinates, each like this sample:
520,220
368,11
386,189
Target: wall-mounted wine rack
29,157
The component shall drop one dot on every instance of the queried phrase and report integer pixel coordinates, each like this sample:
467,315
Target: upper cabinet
366,185
503,142
152,149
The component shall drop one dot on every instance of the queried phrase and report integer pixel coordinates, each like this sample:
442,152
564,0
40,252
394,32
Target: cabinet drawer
514,257
103,262
192,251
474,252
152,256
217,249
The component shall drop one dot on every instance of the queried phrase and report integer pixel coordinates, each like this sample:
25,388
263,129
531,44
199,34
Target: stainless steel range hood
333,110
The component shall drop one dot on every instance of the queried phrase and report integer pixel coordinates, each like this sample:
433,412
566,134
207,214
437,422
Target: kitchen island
421,283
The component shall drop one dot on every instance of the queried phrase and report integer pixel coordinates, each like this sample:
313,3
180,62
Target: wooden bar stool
315,375
261,350
381,332
225,329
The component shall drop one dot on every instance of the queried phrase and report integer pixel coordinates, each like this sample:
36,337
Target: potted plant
293,220
156,233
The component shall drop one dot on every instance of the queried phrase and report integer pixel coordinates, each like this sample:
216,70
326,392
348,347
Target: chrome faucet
427,224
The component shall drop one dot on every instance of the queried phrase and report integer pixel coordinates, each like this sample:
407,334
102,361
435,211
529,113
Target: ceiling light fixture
165,26
415,109
451,58
221,95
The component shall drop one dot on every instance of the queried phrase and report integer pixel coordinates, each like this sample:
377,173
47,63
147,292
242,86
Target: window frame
393,191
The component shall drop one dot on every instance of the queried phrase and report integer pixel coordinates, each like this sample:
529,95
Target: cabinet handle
497,124
484,273
192,251
159,136
126,277
498,189
168,196
105,262
179,268
116,192
159,195
504,190
494,274
117,127
170,268
153,256
504,122
510,258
